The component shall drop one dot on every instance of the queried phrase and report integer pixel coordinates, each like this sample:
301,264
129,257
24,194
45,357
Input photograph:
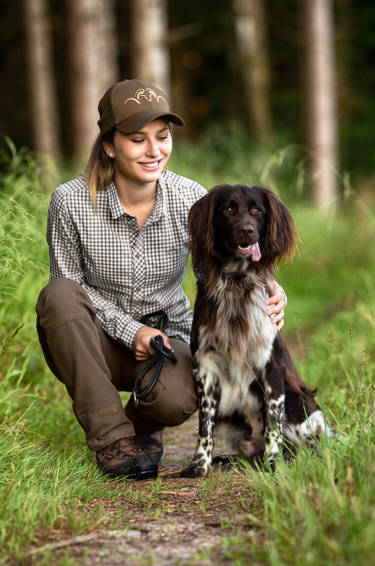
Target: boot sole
135,474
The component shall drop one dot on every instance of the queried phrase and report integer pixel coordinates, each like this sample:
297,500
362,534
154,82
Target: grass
318,510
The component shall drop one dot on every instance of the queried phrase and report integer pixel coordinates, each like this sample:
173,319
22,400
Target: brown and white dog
247,385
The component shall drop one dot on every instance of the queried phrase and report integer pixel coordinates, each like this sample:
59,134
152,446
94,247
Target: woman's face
140,157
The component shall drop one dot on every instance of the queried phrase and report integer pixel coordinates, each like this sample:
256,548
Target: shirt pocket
168,264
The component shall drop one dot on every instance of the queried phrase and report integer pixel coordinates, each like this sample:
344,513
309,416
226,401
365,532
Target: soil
187,521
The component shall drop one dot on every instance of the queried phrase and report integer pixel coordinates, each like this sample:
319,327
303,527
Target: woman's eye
137,140
163,138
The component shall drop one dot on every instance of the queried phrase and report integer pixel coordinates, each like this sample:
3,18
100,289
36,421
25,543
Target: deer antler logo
147,94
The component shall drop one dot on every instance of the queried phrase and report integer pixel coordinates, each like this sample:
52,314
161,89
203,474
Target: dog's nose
248,229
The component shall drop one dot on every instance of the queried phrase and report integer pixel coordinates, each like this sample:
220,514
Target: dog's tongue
255,252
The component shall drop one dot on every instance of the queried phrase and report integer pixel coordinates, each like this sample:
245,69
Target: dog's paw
193,471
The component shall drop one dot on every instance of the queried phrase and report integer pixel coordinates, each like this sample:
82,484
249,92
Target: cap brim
141,119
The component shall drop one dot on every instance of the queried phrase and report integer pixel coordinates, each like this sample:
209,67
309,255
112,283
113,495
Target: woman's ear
108,148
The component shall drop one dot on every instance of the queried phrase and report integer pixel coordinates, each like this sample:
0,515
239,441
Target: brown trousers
94,367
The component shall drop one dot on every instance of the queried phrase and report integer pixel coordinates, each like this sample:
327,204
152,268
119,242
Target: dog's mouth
245,249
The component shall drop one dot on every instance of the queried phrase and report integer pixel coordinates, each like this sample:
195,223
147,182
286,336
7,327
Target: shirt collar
114,202
158,210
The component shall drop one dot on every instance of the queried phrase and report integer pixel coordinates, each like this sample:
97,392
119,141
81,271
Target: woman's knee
176,401
61,298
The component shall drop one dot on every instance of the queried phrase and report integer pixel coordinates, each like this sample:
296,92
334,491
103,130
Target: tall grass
43,463
320,510
317,510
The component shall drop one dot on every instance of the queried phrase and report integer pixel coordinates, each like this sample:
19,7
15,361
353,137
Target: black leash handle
157,360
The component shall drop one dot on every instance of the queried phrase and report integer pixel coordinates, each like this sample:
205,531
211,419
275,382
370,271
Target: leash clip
136,400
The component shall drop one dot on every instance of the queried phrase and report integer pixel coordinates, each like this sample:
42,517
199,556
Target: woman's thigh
173,398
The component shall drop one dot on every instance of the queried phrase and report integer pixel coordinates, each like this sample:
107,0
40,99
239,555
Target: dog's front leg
275,411
208,398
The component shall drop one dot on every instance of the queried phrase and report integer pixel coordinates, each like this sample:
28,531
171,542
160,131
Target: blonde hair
100,167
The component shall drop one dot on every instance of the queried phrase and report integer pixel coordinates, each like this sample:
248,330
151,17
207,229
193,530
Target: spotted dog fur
248,388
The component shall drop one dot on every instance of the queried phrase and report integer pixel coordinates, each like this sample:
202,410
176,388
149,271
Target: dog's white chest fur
238,348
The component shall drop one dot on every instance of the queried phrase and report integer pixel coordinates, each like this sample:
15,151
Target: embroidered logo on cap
147,94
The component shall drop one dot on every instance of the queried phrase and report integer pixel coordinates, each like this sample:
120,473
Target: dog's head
241,222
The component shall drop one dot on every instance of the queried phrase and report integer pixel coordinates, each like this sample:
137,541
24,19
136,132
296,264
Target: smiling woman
118,250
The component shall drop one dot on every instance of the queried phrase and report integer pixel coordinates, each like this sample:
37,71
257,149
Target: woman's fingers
142,347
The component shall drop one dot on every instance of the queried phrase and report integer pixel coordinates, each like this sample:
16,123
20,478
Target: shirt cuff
130,332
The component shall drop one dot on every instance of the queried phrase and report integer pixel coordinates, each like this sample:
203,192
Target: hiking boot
125,458
151,444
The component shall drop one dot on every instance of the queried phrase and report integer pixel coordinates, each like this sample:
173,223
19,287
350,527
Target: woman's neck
136,199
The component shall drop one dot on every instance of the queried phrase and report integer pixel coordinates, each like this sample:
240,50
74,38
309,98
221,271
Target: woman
118,250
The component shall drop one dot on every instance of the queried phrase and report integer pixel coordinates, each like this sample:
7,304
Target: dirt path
166,521
170,520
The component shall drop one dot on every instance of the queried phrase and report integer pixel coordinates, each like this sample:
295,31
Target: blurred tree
149,47
254,64
92,65
106,44
321,100
45,135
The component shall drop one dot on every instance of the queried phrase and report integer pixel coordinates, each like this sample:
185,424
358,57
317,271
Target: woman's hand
141,345
278,305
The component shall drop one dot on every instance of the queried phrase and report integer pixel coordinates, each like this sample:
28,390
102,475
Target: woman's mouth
151,165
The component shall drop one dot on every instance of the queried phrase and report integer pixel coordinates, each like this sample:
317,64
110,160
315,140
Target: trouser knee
173,409
173,400
61,299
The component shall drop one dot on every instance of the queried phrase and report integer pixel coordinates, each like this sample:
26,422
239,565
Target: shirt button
138,289
137,255
136,313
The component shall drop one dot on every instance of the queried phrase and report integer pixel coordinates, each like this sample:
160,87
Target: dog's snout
248,229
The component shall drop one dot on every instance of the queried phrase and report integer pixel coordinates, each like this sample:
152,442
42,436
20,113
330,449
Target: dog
247,385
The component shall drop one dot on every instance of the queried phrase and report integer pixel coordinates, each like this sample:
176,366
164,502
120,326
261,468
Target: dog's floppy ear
281,233
200,225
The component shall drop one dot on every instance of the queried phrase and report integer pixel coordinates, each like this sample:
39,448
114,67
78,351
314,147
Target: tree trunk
106,44
40,78
321,100
92,65
254,64
150,51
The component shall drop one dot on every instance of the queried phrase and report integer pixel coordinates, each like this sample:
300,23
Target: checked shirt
126,272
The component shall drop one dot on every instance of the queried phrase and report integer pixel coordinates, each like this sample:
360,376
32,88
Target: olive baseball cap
131,104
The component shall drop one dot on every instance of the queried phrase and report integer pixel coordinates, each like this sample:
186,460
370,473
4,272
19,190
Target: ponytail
100,167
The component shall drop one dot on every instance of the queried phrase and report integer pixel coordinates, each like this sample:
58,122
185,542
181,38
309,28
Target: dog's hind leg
208,398
305,422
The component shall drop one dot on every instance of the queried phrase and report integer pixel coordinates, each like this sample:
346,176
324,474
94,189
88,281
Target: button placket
139,269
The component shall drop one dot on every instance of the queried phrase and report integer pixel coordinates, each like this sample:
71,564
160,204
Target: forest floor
170,520
166,521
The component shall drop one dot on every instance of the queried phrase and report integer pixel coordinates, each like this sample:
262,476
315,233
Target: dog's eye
256,211
228,210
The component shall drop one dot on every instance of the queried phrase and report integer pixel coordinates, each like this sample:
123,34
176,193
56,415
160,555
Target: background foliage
208,59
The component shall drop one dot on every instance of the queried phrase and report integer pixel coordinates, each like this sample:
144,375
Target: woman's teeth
150,165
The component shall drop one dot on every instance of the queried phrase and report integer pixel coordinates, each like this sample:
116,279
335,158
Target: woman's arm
278,302
66,262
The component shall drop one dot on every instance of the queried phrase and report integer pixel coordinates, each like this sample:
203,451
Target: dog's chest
240,327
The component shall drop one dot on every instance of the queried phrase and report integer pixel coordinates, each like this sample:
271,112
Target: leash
158,359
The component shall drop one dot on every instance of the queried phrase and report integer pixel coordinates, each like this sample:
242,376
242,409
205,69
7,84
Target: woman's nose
153,148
